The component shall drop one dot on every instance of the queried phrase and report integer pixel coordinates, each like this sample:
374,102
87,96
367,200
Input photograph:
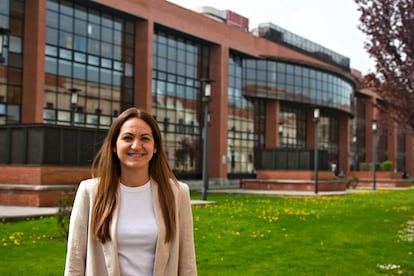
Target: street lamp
3,32
374,154
73,104
280,133
315,165
206,88
354,155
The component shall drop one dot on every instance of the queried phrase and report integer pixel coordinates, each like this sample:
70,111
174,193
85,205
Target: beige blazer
87,256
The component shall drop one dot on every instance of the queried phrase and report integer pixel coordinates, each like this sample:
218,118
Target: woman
133,217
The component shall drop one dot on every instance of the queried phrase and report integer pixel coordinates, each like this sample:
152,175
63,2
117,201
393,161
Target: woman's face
135,145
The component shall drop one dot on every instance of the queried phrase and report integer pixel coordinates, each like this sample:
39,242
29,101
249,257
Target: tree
389,26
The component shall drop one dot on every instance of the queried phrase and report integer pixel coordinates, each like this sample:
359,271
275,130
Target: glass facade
11,20
282,36
246,120
89,65
294,126
328,133
382,138
179,64
359,137
252,82
284,81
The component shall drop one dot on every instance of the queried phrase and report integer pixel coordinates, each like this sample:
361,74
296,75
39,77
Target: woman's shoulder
88,184
182,186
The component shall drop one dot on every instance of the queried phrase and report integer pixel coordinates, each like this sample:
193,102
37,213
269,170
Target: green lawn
366,233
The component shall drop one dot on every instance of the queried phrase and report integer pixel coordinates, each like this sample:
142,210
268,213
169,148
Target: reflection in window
245,124
328,133
294,82
84,50
11,19
294,126
178,65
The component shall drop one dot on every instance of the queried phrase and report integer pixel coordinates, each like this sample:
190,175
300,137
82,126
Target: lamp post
3,32
374,154
280,133
73,104
206,88
354,154
315,165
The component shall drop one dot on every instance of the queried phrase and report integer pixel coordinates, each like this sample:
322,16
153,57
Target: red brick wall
293,175
33,198
43,175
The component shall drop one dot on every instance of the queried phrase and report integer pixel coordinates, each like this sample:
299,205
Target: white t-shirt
137,231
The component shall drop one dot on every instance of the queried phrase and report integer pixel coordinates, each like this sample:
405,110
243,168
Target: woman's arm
187,259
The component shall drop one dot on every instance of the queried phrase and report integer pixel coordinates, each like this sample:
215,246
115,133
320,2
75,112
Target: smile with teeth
136,154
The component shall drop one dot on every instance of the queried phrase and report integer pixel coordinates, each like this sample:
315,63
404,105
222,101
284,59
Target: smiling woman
137,210
135,148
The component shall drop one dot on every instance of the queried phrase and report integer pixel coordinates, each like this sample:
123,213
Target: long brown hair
107,169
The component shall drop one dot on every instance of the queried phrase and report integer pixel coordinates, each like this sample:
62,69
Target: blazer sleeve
187,257
78,232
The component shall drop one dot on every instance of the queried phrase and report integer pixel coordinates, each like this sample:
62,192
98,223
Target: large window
11,19
359,137
294,126
297,83
246,120
178,66
89,65
328,131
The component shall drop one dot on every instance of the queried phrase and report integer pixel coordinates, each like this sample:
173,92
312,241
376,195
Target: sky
330,23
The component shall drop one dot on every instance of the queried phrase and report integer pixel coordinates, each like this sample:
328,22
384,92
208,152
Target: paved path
15,213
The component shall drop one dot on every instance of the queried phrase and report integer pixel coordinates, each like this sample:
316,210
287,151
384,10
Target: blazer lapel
162,249
110,249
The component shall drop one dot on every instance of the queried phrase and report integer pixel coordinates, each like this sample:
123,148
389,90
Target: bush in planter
386,166
363,166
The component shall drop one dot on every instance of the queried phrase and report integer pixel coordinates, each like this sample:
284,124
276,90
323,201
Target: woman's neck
134,178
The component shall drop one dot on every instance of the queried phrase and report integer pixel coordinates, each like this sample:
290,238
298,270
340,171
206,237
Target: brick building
70,67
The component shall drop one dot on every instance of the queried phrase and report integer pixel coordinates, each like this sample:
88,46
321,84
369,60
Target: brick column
143,64
272,124
217,137
369,115
344,144
310,129
392,137
409,152
34,61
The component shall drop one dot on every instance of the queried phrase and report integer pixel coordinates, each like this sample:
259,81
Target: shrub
63,214
363,166
386,166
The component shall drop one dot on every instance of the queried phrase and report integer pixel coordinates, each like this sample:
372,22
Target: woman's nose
135,144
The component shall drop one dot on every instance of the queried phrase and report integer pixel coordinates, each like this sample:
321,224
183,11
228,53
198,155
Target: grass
367,233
